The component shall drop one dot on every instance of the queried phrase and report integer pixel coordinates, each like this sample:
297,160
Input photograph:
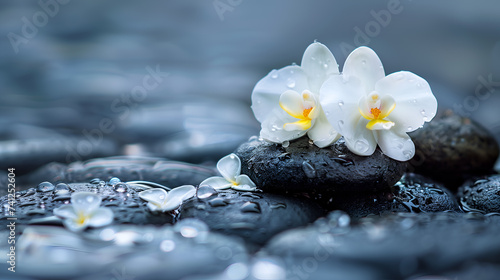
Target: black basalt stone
256,217
302,167
481,195
452,149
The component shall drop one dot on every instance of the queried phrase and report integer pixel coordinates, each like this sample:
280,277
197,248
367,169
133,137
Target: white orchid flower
286,102
159,200
369,108
84,211
230,169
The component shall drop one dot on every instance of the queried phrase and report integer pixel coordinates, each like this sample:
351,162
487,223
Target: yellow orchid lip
376,109
300,106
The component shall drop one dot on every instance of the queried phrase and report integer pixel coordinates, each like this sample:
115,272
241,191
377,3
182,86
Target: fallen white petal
218,183
229,167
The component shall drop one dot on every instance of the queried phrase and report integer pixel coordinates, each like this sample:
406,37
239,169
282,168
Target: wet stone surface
301,167
255,217
412,193
452,149
36,205
394,246
159,170
481,195
145,252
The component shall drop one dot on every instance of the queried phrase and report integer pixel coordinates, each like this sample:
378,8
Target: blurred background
85,79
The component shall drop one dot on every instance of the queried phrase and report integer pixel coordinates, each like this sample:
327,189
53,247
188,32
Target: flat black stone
255,217
319,173
395,246
165,172
481,195
452,149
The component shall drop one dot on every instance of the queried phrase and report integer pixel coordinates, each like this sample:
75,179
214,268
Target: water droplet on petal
121,187
414,101
341,103
308,169
113,181
419,85
362,146
400,76
410,128
325,65
205,192
423,113
408,154
363,62
290,83
250,207
45,187
62,189
161,197
341,125
285,144
274,74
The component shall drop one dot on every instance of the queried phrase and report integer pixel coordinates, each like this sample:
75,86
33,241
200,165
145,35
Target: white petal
73,225
85,202
156,197
364,64
183,192
65,212
322,133
339,98
396,145
101,217
218,183
292,103
229,167
319,64
415,103
244,184
266,93
362,142
273,130
177,196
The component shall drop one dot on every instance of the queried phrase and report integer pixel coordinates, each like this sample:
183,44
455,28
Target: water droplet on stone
121,187
361,146
253,138
167,245
278,205
190,228
308,169
218,202
45,187
205,192
311,142
62,189
95,181
250,207
290,83
113,181
285,144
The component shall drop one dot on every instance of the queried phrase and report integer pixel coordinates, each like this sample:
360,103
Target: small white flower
159,200
296,90
369,108
84,211
230,168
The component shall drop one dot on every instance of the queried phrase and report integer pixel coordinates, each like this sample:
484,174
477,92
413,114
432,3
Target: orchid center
300,106
80,220
377,109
